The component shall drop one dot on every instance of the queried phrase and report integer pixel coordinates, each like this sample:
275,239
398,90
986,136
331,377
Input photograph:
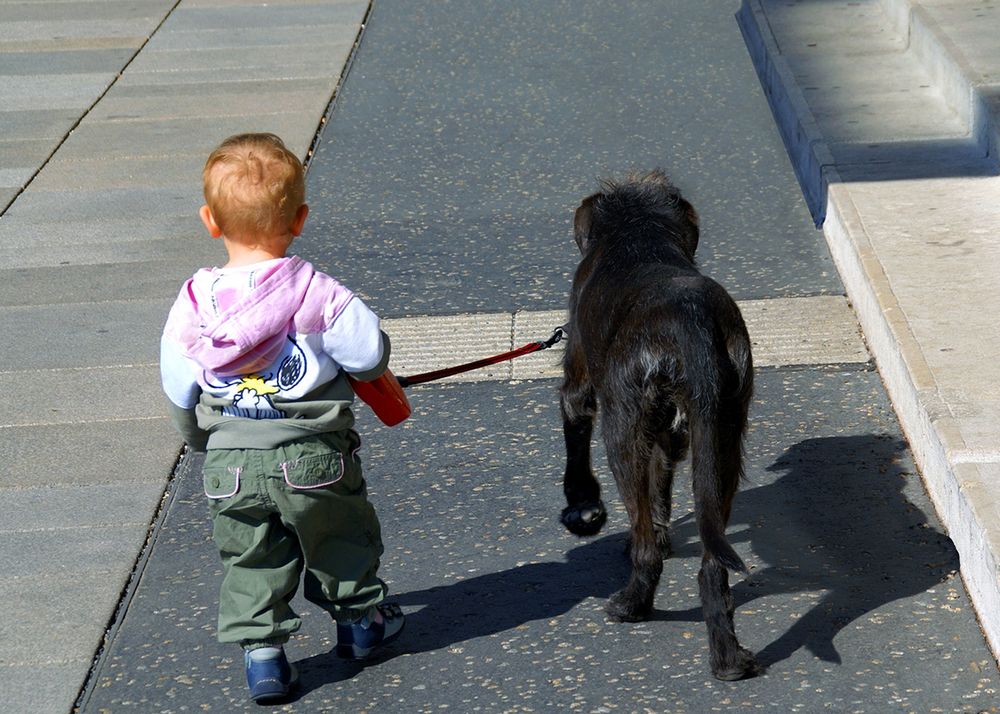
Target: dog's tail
711,503
717,415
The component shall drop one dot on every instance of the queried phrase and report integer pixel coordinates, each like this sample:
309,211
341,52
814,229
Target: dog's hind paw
585,519
745,667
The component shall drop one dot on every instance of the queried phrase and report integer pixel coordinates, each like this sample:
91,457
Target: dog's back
666,317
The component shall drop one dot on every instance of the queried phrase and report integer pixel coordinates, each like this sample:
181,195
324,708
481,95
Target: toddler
253,359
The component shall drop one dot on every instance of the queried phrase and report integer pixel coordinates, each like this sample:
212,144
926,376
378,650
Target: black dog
665,353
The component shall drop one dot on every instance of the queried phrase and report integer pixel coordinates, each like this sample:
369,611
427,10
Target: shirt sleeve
178,375
355,341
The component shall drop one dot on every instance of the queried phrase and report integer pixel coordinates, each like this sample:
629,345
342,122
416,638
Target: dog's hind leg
716,470
661,481
629,453
670,448
584,514
729,660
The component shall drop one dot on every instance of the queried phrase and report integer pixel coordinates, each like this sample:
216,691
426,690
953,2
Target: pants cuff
249,645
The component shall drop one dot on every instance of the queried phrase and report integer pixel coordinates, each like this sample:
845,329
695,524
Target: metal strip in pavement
798,331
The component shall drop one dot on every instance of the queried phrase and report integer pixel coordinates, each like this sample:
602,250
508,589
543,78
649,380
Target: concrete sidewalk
889,110
108,110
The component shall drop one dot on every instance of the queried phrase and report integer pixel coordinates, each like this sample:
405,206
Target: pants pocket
316,471
221,481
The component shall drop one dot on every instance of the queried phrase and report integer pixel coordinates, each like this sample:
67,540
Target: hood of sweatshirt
236,321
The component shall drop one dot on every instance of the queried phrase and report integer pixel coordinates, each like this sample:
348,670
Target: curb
811,159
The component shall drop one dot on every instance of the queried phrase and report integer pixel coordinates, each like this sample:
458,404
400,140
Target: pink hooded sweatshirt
247,343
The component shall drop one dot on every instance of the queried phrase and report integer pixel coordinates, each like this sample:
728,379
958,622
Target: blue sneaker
269,675
357,640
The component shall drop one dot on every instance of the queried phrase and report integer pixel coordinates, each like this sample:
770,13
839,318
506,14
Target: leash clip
557,335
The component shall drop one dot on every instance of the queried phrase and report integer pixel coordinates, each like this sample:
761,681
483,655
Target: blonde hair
253,185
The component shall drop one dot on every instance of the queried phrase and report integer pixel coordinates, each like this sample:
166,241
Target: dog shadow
838,521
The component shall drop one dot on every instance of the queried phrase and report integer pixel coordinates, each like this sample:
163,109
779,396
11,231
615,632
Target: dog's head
640,207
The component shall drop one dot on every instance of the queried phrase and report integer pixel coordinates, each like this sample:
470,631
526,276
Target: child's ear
300,219
209,220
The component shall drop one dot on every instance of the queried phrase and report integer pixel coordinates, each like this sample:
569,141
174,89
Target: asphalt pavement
442,181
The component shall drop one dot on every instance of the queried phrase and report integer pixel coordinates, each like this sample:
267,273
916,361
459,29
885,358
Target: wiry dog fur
665,353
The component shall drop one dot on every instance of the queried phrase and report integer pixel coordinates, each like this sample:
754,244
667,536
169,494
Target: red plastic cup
384,396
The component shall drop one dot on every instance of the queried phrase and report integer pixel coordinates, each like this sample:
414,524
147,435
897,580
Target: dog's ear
692,232
689,212
581,221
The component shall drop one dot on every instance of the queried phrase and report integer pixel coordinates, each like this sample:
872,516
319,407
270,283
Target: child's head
254,188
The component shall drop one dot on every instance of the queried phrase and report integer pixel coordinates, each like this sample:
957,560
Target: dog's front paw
585,519
745,666
625,607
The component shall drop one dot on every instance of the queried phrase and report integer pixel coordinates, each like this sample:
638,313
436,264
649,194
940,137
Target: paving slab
233,18
43,35
15,176
25,153
66,634
176,172
152,102
40,231
114,140
8,194
430,343
68,62
783,332
117,250
22,131
49,694
153,280
109,332
360,5
44,506
97,205
240,37
31,646
76,395
65,11
246,73
108,452
69,551
301,59
65,91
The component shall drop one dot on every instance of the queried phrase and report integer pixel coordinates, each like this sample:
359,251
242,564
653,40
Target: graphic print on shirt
252,392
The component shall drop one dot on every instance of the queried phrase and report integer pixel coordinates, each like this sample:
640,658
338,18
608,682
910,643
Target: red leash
527,349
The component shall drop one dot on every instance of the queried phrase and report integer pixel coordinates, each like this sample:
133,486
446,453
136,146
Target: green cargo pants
302,506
